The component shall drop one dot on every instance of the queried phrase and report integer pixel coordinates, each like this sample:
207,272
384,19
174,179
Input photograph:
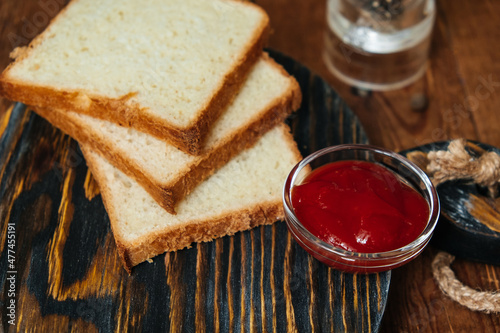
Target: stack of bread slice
177,110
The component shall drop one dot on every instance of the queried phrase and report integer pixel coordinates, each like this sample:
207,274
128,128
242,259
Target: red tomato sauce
360,206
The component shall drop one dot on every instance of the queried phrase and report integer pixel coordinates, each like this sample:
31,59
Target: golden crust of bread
124,112
204,231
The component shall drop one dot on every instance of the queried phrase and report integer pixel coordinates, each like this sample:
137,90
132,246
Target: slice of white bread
168,174
245,193
166,67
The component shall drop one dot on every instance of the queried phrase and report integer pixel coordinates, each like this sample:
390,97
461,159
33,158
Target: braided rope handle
457,163
488,302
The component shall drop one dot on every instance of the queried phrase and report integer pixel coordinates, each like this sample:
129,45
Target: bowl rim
415,245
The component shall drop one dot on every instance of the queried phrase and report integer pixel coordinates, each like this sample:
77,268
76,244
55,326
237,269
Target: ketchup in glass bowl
360,208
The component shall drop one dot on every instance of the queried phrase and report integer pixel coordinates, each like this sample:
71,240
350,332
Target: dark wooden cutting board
68,277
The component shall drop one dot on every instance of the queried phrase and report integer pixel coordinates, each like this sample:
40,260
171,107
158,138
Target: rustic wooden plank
465,47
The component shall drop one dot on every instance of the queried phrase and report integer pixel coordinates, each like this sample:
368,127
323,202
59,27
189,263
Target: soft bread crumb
18,51
163,162
246,183
266,98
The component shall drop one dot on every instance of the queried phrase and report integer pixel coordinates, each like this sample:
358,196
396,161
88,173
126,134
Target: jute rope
456,163
488,302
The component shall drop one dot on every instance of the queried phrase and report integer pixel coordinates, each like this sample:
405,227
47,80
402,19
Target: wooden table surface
463,88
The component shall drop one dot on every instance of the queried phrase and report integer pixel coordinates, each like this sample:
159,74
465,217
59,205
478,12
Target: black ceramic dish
469,226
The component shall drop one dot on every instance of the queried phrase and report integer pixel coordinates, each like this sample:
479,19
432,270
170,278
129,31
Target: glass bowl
342,259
